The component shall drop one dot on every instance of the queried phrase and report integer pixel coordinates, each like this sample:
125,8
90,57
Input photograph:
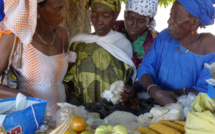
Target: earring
192,32
38,16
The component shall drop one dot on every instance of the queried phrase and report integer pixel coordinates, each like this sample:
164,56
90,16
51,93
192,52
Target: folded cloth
201,119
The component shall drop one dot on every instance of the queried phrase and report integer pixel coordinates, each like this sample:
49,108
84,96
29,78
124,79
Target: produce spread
174,118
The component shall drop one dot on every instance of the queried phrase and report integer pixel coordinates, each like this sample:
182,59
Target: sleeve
201,84
150,63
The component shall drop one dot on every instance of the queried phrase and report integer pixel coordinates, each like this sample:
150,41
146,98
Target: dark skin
181,23
51,14
135,25
103,20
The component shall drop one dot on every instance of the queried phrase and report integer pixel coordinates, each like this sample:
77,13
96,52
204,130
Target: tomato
87,132
70,132
78,124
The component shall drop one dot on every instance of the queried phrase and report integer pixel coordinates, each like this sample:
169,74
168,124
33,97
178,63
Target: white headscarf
145,8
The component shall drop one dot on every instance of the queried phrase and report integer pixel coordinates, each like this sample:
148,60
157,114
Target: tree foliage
164,3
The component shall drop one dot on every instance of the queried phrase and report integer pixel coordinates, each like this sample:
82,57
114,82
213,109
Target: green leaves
164,3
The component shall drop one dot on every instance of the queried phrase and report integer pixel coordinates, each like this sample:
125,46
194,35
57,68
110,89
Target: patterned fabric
42,75
111,5
146,45
21,18
203,9
94,71
145,8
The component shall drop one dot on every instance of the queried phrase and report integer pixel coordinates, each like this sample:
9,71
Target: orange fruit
78,124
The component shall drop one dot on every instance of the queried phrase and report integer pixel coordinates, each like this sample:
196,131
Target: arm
6,44
148,71
161,96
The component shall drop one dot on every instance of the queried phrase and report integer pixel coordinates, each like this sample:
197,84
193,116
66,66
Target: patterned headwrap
110,5
202,9
21,18
145,8
1,10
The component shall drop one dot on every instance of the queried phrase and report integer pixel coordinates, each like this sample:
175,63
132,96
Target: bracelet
150,86
184,90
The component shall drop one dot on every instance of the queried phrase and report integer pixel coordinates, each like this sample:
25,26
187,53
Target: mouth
61,20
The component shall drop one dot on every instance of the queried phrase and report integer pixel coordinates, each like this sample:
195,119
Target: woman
44,59
139,26
103,57
175,64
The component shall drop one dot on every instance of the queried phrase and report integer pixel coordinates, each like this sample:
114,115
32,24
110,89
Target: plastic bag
112,94
21,114
63,112
186,101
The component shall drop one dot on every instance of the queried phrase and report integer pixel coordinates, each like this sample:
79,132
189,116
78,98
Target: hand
73,99
163,97
127,94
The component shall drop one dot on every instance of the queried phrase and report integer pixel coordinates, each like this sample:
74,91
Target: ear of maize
163,129
173,125
144,130
182,123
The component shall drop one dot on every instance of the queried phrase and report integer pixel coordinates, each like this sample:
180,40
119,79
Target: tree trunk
78,18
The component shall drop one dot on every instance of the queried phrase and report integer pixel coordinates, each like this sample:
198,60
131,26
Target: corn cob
173,125
163,129
182,123
144,130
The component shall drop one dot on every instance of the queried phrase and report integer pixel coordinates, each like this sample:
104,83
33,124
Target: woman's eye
142,21
106,15
130,18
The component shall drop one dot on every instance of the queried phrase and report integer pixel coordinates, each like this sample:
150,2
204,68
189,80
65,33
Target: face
102,20
135,24
180,22
53,12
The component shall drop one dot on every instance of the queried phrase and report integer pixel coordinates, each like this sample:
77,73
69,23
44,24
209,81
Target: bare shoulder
208,40
60,33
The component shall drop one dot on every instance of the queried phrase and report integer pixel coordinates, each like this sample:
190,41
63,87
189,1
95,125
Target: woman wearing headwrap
139,26
44,58
103,57
175,64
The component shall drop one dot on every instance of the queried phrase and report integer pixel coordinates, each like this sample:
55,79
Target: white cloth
145,8
115,43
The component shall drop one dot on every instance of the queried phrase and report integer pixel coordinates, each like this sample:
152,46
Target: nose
63,13
170,20
134,23
100,20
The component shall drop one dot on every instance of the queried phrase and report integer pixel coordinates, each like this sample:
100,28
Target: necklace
190,46
43,41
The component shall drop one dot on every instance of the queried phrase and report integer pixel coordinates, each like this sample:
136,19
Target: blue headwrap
1,10
202,9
